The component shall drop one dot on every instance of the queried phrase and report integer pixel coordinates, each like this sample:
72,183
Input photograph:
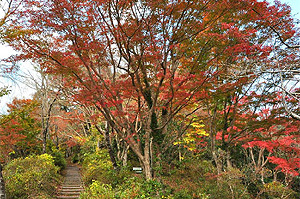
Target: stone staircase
72,185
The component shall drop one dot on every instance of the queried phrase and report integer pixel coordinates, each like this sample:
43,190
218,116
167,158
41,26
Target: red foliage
134,60
19,128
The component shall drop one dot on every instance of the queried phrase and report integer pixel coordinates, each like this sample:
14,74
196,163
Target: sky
21,90
295,6
18,87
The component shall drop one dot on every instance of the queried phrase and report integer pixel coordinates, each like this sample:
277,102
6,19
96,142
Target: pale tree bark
122,150
260,163
147,163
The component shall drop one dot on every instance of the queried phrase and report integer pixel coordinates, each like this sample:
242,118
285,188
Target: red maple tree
141,63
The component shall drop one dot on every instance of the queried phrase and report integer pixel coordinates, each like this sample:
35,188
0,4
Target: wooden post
2,185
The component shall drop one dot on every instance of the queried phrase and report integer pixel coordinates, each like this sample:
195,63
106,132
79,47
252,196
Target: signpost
137,170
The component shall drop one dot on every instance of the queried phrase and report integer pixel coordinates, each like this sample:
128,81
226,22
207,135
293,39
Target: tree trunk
217,161
147,163
144,159
2,185
46,124
215,155
110,150
228,160
124,156
147,168
212,135
122,149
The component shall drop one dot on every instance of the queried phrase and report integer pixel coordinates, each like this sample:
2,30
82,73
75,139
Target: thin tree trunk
217,161
110,151
124,156
212,135
2,185
228,161
46,124
215,154
147,158
147,168
57,140
122,150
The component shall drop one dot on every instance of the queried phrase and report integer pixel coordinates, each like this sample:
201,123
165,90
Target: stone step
70,190
72,185
67,197
67,193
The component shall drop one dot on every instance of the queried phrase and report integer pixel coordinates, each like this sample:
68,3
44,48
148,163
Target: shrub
98,190
277,190
183,194
153,189
133,188
75,158
104,182
31,177
59,158
97,166
188,178
228,184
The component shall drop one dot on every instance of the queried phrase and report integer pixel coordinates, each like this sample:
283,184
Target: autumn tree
7,8
19,130
274,139
282,72
47,96
144,63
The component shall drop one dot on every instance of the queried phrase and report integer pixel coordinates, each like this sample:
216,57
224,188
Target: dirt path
72,185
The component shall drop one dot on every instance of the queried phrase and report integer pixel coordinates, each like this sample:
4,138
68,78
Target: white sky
295,5
20,90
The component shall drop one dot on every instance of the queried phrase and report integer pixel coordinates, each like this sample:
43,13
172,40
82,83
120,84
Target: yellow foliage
190,138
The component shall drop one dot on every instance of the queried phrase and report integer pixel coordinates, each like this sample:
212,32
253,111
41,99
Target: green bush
153,189
228,184
277,190
183,194
198,178
188,178
75,158
97,166
59,158
31,177
98,190
104,182
133,188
